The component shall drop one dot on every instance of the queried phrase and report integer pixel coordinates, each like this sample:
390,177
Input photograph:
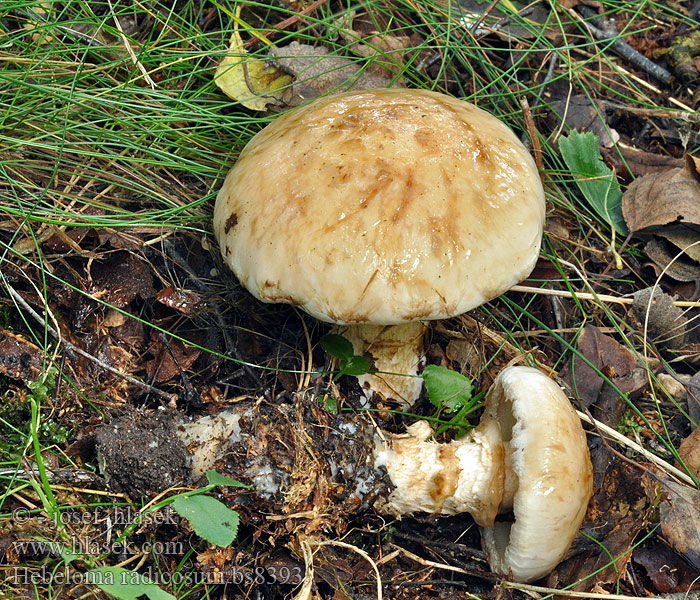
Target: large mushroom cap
546,448
384,206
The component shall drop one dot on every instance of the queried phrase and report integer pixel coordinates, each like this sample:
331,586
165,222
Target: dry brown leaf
163,367
639,162
668,572
121,277
680,520
662,198
385,51
609,357
317,72
180,300
19,358
686,239
580,113
671,260
689,451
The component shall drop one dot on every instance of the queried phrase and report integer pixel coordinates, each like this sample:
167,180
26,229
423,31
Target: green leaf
446,388
209,518
215,478
355,365
597,183
337,346
125,584
330,404
341,348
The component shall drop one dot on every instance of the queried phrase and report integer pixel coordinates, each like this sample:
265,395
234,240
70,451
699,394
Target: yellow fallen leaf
252,82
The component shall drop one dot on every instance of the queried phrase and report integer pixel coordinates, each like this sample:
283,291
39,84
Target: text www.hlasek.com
80,546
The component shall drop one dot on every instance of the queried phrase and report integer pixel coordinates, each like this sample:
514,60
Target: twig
130,50
287,22
595,297
487,11
39,319
534,138
573,594
548,76
622,48
443,566
691,117
621,439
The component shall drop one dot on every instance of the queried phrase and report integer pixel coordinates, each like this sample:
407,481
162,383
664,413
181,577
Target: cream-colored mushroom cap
550,473
382,206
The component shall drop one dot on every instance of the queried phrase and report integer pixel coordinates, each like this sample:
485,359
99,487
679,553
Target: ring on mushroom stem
382,208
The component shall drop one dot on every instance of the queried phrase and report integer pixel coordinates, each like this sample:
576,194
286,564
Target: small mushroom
527,458
378,209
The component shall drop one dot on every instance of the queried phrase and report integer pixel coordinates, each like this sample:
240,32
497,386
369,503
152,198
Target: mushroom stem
397,351
465,475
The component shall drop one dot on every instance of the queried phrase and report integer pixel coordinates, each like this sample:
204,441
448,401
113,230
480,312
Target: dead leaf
215,558
181,300
663,198
578,112
121,277
316,72
608,356
689,451
466,354
694,397
163,367
19,358
642,163
680,520
252,82
385,50
114,318
671,260
639,162
685,238
668,572
35,24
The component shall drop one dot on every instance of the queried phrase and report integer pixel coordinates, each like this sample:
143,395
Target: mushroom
378,211
527,457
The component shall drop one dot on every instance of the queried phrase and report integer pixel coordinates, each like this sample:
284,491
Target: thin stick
130,50
287,22
443,566
571,593
534,138
593,297
622,48
621,439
